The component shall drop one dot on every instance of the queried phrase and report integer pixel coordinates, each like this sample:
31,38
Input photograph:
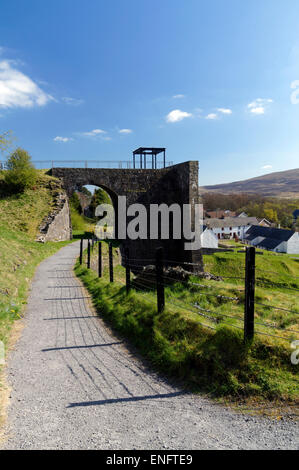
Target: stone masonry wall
57,226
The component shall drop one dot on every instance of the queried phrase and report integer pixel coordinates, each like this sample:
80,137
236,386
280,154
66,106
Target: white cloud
17,90
212,116
258,110
93,133
224,110
266,167
179,96
125,131
72,101
177,115
62,139
259,105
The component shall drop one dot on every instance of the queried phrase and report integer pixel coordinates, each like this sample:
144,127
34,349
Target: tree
99,197
286,221
20,173
270,214
5,140
75,203
85,191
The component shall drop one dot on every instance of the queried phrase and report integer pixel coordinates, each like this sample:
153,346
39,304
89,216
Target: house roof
269,232
230,222
266,221
251,236
269,243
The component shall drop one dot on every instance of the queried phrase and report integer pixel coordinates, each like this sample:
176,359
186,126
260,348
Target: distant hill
281,183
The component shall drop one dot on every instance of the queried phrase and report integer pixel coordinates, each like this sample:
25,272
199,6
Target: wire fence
103,164
214,304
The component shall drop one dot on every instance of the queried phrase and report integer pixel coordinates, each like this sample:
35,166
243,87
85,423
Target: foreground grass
208,356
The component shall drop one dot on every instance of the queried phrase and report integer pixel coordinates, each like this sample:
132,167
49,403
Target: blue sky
210,81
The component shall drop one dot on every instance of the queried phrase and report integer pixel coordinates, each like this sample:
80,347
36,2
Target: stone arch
111,193
175,184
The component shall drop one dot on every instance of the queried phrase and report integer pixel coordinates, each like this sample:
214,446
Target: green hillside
281,183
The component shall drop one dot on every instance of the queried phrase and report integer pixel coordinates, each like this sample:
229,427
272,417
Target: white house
273,239
230,227
208,239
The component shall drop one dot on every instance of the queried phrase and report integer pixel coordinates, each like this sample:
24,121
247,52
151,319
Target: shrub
20,173
75,203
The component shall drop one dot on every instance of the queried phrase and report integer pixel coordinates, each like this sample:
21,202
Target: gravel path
77,386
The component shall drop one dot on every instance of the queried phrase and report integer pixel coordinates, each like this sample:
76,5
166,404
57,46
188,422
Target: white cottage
273,239
230,227
208,239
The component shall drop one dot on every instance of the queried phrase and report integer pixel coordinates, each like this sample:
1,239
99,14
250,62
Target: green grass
277,284
24,212
208,356
82,225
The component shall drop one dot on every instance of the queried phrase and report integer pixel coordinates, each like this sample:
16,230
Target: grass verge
212,361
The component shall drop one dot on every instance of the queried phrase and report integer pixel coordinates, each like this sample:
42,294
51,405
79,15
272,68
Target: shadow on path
127,399
82,347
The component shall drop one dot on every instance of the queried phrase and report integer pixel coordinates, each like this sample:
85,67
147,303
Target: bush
20,173
75,203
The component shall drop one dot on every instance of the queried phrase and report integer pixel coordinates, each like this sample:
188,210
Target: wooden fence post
128,277
100,260
110,262
88,254
81,250
249,293
159,280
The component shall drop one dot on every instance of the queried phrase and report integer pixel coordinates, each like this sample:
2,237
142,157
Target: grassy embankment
207,350
82,225
20,216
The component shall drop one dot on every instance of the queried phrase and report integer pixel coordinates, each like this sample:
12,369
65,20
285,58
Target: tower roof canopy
148,151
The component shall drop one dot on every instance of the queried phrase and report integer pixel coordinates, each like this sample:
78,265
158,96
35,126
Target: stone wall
211,251
57,225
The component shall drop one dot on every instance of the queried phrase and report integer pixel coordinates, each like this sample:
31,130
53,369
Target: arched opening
83,204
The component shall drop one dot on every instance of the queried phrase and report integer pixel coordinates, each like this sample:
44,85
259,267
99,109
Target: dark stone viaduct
173,184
